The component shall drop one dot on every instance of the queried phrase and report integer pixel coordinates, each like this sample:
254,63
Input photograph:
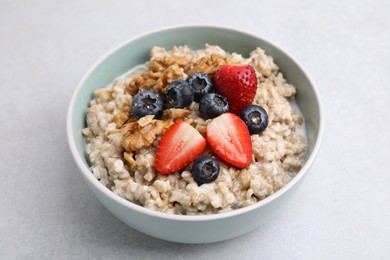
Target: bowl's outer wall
137,52
196,232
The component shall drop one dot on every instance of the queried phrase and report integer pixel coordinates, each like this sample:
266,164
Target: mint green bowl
178,228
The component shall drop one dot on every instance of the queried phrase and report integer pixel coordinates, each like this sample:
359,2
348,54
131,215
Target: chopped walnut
168,123
141,134
146,79
175,113
143,121
157,81
161,64
208,64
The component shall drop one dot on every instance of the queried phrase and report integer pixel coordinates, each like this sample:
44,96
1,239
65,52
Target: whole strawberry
238,84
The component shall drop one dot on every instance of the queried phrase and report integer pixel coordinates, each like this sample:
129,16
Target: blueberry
147,102
212,105
179,94
201,84
255,117
205,169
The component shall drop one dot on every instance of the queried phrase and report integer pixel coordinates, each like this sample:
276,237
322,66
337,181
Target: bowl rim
199,218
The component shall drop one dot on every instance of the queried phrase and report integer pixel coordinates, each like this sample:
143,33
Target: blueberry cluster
180,94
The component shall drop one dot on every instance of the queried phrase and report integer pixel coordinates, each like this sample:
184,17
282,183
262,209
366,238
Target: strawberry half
179,146
238,84
229,138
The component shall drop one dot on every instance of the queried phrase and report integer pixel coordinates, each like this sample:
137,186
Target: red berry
229,138
179,146
238,84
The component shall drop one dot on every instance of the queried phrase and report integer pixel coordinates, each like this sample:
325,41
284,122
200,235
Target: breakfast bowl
190,227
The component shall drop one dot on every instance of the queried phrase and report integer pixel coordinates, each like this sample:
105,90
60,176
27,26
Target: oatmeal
124,143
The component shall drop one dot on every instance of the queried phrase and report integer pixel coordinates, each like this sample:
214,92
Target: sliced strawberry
238,84
229,138
179,146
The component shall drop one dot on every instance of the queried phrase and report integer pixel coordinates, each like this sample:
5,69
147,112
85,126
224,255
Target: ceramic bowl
204,228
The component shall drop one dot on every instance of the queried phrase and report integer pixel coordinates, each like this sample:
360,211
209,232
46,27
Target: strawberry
238,84
229,138
179,146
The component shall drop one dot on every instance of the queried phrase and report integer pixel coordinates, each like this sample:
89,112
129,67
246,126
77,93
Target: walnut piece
168,123
175,113
143,121
161,64
141,134
157,81
208,64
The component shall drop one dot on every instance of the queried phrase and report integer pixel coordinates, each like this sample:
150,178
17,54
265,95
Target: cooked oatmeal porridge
122,147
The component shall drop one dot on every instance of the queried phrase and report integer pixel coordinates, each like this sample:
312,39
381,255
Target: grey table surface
341,212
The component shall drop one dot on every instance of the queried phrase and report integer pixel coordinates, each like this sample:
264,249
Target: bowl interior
136,52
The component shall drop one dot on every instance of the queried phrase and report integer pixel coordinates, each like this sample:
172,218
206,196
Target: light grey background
341,212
